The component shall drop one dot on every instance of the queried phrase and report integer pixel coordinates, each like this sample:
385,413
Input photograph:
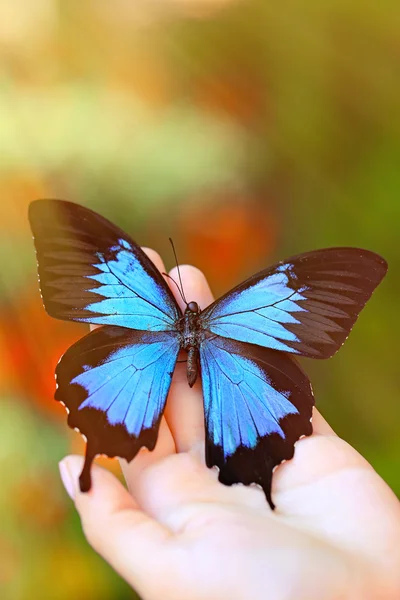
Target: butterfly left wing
92,272
257,404
306,305
114,384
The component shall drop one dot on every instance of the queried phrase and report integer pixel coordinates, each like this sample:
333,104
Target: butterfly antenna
179,273
177,286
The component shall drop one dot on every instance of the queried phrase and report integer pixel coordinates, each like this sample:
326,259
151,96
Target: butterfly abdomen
192,367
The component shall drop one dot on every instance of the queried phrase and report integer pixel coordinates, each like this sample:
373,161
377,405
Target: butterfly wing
306,305
91,271
114,383
257,403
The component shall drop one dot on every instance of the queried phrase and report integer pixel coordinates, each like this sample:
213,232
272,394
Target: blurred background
247,131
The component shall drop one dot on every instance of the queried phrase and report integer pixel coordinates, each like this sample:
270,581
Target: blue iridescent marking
240,403
141,323
243,333
124,268
131,385
147,307
267,292
287,268
282,268
259,313
125,244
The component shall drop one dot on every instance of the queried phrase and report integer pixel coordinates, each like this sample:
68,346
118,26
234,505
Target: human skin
179,534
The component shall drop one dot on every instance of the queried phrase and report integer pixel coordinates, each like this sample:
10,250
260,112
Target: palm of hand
182,535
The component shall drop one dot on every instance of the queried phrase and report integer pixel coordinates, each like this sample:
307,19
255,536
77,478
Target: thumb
133,543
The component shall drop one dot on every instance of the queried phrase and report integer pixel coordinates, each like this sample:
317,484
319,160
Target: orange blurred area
38,503
227,234
31,346
9,561
18,190
236,93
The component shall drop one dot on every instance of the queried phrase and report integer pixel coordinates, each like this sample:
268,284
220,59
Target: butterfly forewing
306,305
91,271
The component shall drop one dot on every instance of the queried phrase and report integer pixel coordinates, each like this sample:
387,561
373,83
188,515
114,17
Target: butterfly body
191,335
257,399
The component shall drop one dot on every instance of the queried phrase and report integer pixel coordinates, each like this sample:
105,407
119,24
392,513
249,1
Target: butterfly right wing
257,404
92,272
114,384
306,305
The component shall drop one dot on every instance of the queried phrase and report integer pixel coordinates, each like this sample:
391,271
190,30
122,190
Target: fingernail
66,478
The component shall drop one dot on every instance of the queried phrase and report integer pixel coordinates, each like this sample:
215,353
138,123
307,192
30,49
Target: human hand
179,534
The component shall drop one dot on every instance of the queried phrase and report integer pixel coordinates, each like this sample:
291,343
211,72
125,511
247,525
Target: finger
155,258
320,426
128,539
164,447
184,411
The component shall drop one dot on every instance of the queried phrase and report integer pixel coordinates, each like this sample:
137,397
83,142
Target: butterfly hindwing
306,305
114,383
257,404
90,271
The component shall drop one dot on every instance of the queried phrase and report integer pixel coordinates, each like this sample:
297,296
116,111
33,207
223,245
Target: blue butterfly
114,382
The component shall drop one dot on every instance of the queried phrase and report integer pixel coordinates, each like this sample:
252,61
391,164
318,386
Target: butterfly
114,381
